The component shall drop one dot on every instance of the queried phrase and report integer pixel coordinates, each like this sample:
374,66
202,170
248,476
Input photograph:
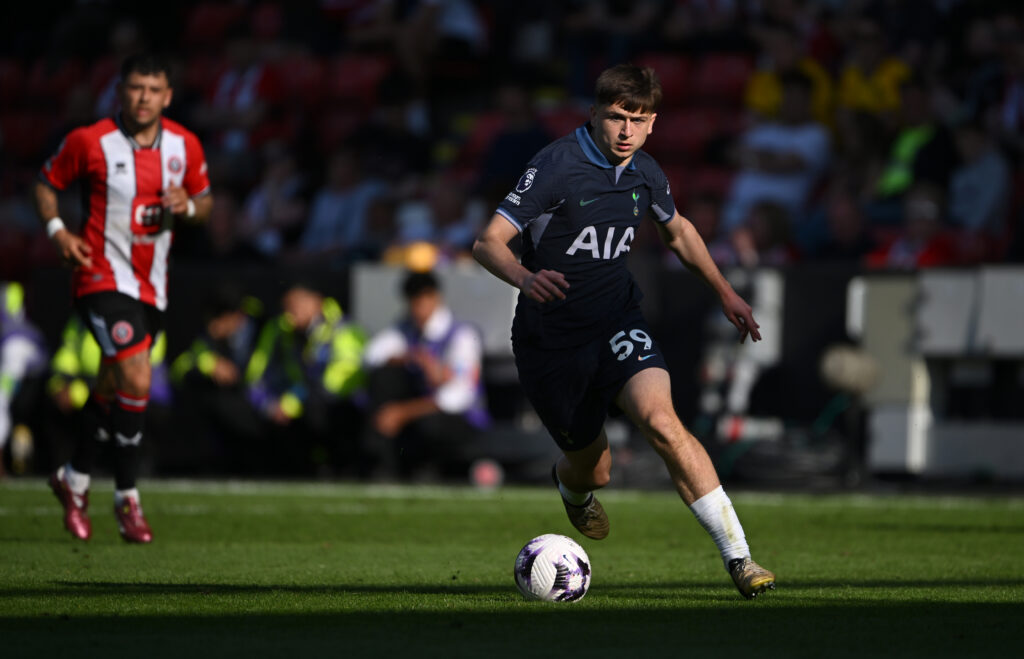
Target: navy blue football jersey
578,215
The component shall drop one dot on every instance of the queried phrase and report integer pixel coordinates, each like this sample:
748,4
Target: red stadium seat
302,77
355,78
50,81
335,126
208,23
201,71
721,77
25,133
675,72
12,81
562,121
681,135
482,132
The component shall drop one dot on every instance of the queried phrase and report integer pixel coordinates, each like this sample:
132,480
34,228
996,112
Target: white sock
76,480
121,495
575,498
715,513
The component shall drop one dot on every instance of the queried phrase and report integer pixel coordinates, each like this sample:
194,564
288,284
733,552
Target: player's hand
741,316
545,286
278,416
224,372
389,419
72,249
434,370
175,199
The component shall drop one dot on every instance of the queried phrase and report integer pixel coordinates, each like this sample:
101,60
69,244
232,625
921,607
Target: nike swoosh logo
645,357
587,203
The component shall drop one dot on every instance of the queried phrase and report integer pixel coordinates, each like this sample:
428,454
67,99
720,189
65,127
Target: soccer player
581,344
141,172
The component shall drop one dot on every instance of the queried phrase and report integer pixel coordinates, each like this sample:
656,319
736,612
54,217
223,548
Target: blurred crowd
302,390
886,132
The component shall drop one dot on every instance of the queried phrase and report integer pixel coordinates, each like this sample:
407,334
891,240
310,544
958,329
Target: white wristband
53,226
190,210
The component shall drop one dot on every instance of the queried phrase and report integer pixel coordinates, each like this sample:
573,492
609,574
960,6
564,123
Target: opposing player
581,344
141,172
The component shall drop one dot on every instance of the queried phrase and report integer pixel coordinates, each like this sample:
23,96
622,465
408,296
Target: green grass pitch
297,570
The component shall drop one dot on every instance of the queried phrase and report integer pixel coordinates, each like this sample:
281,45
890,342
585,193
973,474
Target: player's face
620,133
144,97
423,306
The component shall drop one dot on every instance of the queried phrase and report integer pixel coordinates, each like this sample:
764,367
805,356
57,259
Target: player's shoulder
90,133
557,153
647,165
172,126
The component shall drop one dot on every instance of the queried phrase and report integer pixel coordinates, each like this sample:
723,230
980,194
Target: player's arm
682,238
74,250
491,250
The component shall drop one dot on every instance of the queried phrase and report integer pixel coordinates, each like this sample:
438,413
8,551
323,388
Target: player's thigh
121,325
559,386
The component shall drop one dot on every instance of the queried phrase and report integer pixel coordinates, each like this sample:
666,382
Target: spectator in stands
336,230
22,356
765,239
393,144
125,38
782,50
520,136
871,77
702,27
847,238
240,110
426,393
274,210
922,242
302,375
214,408
921,151
979,193
780,161
613,31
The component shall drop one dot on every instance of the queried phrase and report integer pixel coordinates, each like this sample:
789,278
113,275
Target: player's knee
661,426
134,379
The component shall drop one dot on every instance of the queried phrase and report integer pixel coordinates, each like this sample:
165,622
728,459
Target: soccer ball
554,568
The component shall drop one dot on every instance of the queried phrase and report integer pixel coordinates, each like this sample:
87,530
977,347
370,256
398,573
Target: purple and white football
554,568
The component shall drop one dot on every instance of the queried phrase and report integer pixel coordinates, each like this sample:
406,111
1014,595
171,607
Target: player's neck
144,136
609,155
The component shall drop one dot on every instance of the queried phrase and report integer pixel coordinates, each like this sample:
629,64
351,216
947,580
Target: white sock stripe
134,440
128,401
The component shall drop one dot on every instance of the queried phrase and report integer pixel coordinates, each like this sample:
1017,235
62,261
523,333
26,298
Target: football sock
127,418
76,480
715,513
121,495
95,422
575,498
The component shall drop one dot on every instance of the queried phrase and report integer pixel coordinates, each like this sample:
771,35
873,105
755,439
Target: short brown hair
635,88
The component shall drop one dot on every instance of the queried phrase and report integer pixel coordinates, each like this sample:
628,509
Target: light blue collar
594,154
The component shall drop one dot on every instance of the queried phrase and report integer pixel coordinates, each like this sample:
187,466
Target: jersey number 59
622,346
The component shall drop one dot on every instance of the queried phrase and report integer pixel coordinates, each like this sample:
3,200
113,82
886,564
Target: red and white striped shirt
126,226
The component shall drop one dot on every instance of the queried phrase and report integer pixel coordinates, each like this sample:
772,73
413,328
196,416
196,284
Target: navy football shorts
122,325
574,389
